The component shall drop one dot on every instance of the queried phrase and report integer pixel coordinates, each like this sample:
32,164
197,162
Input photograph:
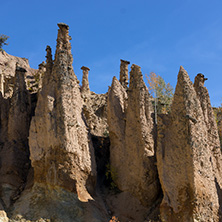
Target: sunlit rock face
61,150
185,159
132,138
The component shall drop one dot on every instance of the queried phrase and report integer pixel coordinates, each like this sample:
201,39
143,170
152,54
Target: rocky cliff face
69,154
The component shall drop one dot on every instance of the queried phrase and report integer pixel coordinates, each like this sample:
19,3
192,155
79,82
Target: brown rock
95,113
141,172
8,65
131,137
14,154
116,118
85,80
212,134
124,73
184,159
61,151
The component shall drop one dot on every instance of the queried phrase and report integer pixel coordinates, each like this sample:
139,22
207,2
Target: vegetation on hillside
3,39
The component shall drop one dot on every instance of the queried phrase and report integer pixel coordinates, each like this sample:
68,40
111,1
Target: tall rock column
116,118
209,118
124,73
61,151
131,136
14,155
212,134
184,159
141,174
85,80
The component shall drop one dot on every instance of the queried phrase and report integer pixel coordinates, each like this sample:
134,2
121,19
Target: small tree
162,93
3,39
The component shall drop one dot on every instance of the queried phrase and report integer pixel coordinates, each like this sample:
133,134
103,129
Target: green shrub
3,39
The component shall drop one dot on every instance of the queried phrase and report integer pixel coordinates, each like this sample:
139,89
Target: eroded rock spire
124,73
61,152
85,80
14,154
116,118
185,160
131,137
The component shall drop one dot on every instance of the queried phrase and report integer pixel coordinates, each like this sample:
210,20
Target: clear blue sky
158,35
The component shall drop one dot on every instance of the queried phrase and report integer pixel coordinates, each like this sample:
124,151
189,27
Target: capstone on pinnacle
61,25
85,81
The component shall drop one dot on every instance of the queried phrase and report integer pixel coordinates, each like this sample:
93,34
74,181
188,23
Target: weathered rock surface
85,80
132,139
95,113
94,108
185,159
141,171
61,151
49,170
116,107
124,73
8,65
14,153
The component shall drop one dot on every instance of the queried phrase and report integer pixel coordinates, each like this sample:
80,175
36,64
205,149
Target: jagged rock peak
85,81
58,134
135,75
139,135
183,75
116,118
124,73
185,160
49,61
131,136
63,38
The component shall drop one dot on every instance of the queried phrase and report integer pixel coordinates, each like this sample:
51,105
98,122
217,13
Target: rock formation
116,118
15,121
132,139
140,141
94,108
61,151
85,80
185,159
8,66
124,73
69,154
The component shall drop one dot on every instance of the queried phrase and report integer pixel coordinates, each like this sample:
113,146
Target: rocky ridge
69,154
